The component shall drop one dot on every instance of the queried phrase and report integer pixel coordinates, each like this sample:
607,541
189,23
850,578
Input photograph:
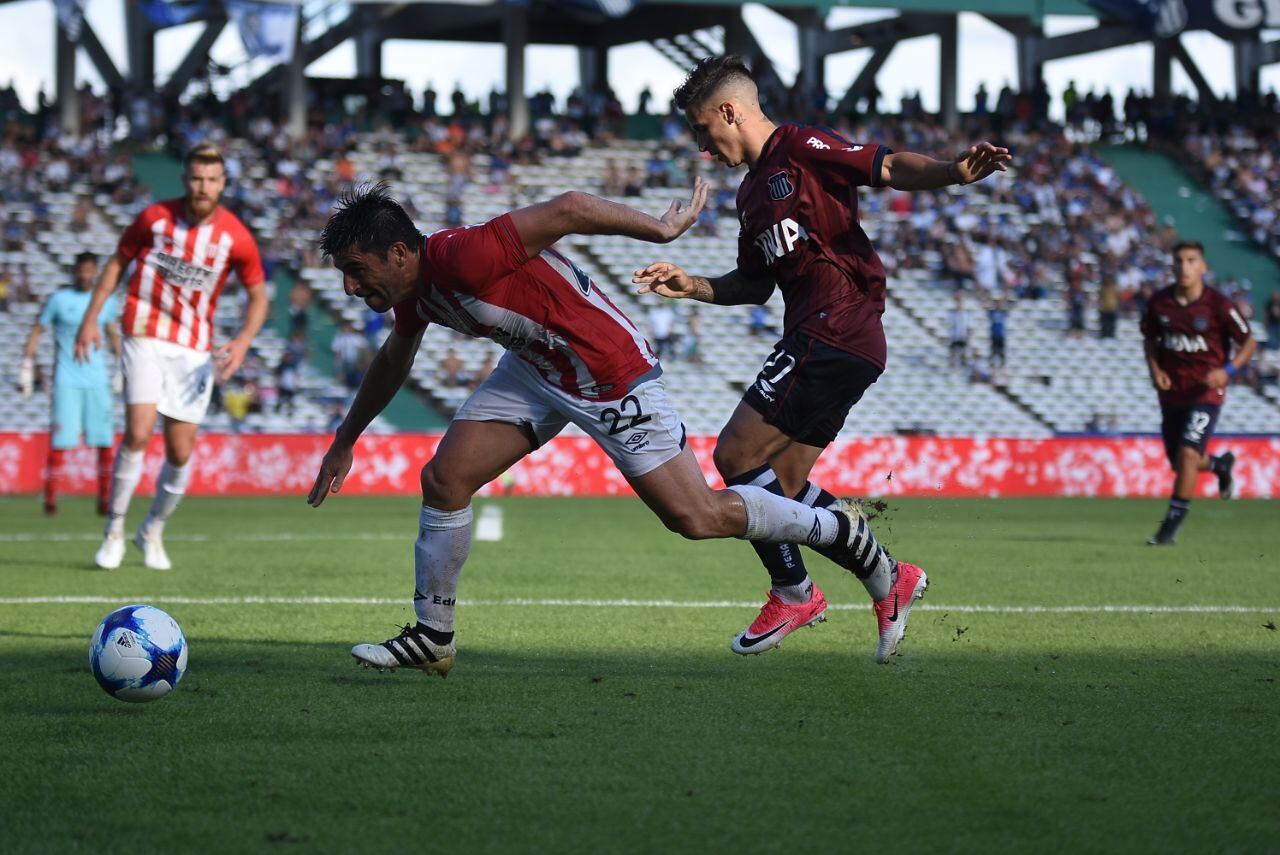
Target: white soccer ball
138,654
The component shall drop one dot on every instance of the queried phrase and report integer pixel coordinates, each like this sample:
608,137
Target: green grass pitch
1009,722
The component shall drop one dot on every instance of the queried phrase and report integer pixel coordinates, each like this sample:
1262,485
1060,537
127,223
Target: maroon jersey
1190,341
799,215
480,282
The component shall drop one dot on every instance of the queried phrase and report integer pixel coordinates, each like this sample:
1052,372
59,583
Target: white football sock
170,487
444,541
124,480
795,594
777,519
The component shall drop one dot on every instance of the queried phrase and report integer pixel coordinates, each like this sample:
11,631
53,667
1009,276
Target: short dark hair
1188,244
82,257
366,218
706,78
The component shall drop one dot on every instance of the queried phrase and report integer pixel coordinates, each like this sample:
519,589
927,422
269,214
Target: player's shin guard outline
171,485
442,547
777,519
124,480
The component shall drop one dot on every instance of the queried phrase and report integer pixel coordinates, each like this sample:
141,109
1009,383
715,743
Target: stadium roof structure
683,31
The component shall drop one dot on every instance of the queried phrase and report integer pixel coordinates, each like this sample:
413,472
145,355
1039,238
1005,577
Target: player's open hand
333,472
664,279
88,339
229,357
679,219
979,161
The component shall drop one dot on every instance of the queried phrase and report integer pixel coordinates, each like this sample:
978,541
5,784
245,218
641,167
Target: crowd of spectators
1061,227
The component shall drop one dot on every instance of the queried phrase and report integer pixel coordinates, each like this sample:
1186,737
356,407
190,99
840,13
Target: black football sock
782,560
1216,465
1178,510
814,496
435,636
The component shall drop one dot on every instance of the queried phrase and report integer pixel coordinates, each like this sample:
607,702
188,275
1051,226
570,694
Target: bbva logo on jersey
779,239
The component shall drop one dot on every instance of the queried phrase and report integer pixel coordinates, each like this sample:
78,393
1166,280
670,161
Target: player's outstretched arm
578,213
732,289
89,337
384,377
910,171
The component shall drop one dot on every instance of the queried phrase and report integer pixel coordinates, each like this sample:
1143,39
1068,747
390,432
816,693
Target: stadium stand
83,204
1048,245
1040,238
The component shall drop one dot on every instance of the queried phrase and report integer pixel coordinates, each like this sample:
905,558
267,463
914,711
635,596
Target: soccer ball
138,654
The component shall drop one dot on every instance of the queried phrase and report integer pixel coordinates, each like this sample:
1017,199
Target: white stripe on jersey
225,244
189,318
169,293
1235,316
147,281
531,331
596,298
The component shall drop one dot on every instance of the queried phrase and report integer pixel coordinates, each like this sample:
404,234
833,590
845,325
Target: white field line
605,604
265,537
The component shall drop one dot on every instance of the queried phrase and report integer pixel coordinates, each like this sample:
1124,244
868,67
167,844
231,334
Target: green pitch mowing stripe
625,604
595,706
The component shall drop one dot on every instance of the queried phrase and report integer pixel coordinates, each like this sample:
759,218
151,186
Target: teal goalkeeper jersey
62,314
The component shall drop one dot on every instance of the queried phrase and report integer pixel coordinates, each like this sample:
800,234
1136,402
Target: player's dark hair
82,257
365,218
1188,244
707,76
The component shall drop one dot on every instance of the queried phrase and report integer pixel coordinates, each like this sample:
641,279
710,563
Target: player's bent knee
439,490
729,461
695,523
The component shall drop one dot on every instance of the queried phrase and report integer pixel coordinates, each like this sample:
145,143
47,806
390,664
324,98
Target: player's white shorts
640,432
177,379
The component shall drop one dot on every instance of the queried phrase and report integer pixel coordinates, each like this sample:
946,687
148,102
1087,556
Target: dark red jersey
798,211
1190,341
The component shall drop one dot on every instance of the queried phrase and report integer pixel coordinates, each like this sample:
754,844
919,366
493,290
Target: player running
572,356
81,391
798,209
1188,331
182,251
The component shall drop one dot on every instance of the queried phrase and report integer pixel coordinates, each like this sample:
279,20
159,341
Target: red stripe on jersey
179,272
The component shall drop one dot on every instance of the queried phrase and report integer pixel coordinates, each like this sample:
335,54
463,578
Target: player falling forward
572,356
1188,331
81,391
798,209
182,251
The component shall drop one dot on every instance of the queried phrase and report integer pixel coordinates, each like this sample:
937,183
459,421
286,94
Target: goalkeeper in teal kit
82,399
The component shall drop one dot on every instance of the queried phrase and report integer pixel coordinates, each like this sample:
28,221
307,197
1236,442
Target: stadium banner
267,29
1230,19
572,465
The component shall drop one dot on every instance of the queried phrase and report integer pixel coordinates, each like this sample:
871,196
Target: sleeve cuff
876,164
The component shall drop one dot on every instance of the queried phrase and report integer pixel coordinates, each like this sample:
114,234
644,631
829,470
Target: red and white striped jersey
179,271
479,281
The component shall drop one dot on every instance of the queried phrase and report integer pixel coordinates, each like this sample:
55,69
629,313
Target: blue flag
268,30
162,14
